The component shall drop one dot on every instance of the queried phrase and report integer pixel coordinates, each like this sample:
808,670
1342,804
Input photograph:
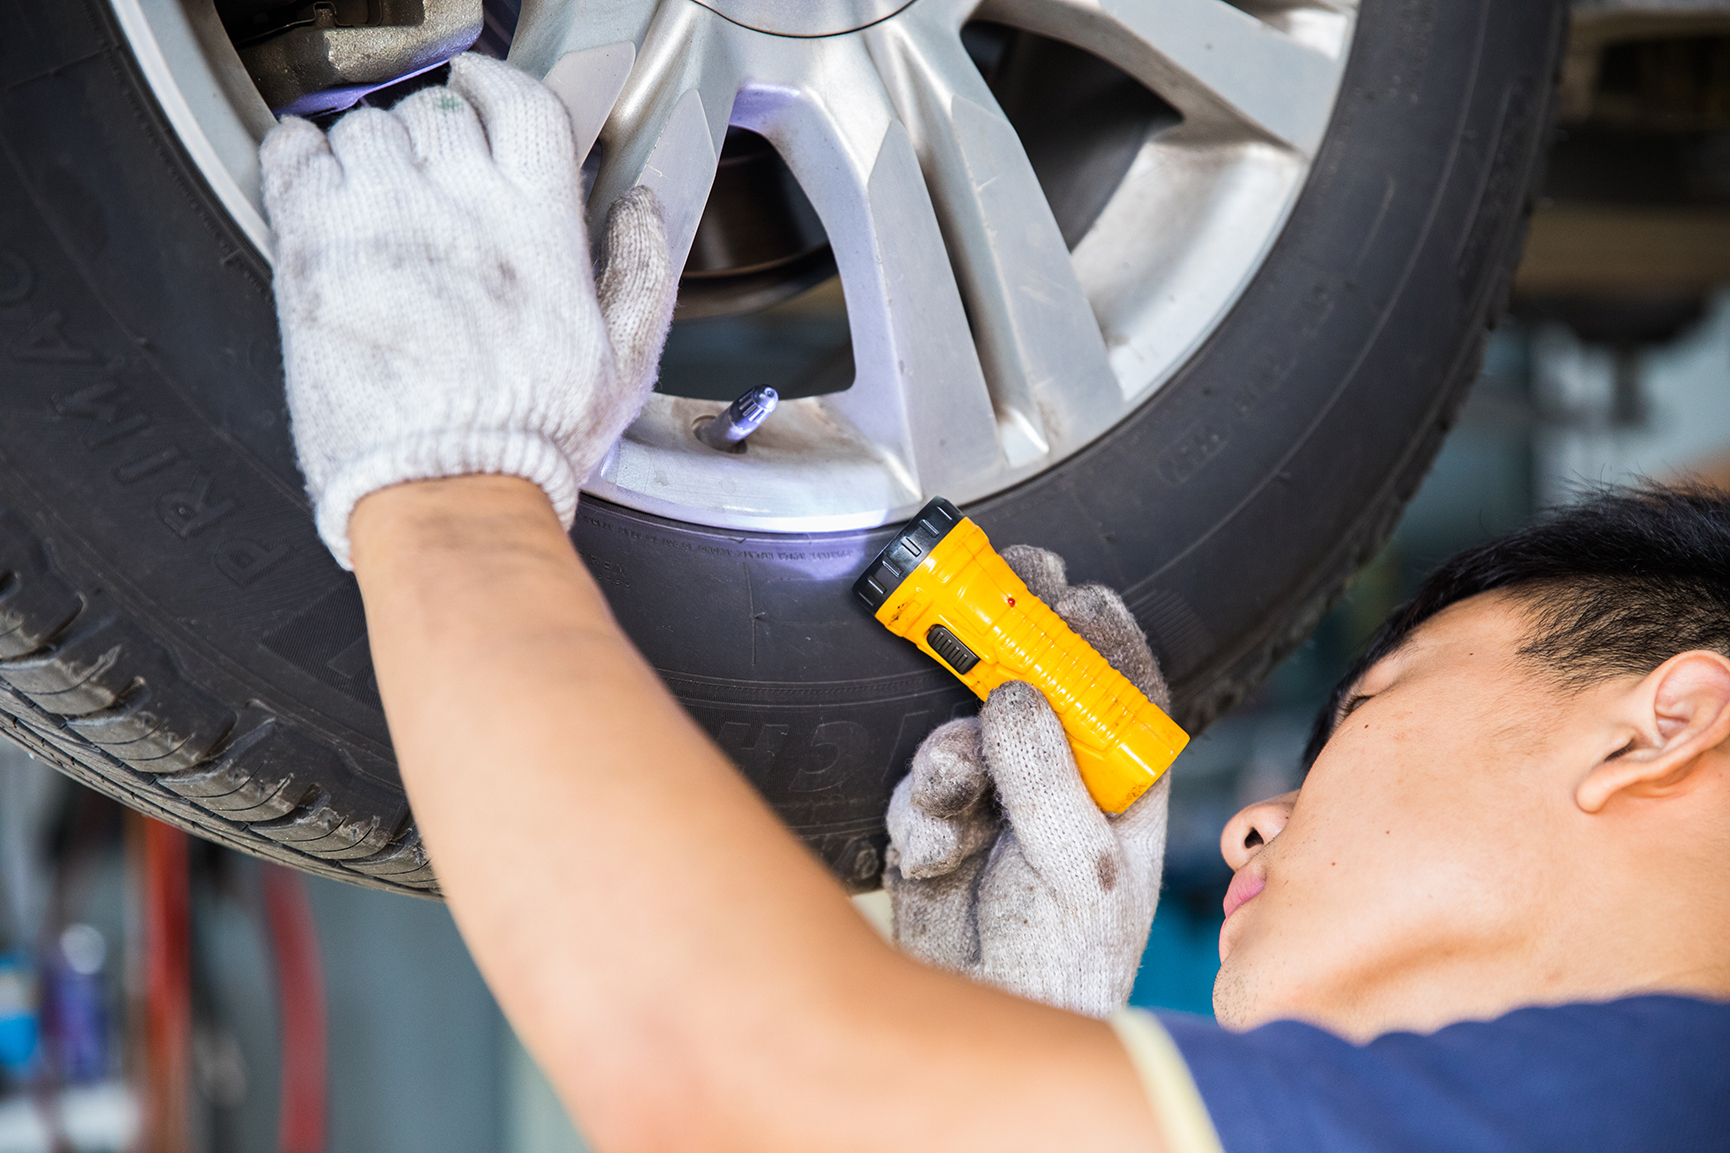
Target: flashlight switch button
948,646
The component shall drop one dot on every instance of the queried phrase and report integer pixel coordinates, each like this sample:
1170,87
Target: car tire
173,634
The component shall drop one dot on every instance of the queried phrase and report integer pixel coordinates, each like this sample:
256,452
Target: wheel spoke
589,82
548,30
1042,352
666,127
1221,67
654,83
918,392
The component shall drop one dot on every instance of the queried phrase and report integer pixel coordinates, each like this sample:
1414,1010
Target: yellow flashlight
941,585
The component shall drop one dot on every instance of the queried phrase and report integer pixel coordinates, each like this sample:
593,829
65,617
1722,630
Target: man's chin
1255,987
1233,999
1247,994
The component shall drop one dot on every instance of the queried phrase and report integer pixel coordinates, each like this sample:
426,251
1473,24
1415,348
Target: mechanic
1495,917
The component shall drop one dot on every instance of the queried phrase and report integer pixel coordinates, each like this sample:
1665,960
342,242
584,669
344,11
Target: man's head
1520,794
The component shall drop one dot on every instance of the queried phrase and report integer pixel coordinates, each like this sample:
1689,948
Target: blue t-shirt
1634,1076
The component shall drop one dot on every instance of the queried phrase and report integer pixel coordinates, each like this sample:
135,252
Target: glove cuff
528,455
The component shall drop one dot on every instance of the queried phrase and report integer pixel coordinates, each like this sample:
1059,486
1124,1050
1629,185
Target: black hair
1616,584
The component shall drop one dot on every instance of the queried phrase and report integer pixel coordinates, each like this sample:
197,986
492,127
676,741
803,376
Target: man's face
1415,868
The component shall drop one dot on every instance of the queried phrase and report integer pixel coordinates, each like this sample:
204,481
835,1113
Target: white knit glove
1000,866
439,312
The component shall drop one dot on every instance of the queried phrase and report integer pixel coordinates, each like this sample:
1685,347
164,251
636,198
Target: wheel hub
804,18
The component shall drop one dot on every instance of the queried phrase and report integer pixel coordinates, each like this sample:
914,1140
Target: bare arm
686,973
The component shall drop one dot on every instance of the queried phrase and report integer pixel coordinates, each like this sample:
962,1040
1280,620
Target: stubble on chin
1233,995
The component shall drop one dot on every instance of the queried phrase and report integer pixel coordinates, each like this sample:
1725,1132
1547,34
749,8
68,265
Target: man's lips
1245,884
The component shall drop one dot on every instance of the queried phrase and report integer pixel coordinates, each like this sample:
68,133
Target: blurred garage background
241,1007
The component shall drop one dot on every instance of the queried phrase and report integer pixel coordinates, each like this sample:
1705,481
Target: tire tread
91,694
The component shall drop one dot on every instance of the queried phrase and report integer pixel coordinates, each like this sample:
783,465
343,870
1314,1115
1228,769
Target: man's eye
1351,706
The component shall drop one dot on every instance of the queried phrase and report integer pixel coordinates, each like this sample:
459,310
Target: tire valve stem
727,431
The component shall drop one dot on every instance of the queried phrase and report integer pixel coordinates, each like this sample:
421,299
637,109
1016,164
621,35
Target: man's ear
1677,713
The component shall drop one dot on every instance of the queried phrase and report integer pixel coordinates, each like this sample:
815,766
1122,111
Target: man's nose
1254,826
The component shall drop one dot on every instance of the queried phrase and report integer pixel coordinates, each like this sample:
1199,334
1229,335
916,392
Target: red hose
167,987
300,997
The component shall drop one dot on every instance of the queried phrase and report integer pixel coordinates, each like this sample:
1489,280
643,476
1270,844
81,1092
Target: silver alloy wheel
986,350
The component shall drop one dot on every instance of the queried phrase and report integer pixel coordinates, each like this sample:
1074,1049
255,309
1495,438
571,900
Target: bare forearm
685,970
547,766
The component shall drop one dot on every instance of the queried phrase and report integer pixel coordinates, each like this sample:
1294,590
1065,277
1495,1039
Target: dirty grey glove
439,312
1000,866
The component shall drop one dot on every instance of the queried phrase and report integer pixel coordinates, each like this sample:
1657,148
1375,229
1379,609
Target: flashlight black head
904,553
